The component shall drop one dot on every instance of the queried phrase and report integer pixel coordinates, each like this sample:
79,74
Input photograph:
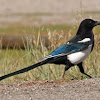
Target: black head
86,27
89,24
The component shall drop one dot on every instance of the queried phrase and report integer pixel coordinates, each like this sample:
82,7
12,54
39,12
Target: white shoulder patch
85,40
67,42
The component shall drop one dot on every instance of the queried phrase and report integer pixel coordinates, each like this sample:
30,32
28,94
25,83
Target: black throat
84,32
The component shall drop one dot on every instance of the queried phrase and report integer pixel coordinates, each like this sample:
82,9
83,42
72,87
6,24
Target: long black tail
24,70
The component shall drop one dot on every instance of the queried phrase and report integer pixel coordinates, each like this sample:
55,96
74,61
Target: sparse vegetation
19,29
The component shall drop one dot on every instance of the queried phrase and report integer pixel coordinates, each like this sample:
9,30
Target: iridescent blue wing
68,48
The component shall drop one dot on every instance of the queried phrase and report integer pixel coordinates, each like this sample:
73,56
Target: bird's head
86,27
89,24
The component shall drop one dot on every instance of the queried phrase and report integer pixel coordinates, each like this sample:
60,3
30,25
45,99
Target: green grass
17,29
92,12
12,60
44,29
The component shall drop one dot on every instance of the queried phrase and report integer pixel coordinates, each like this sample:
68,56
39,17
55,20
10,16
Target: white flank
85,40
78,57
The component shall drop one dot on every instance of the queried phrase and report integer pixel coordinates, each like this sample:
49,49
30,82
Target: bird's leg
82,70
66,68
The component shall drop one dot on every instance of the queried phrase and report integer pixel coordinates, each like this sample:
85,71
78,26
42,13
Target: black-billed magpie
74,52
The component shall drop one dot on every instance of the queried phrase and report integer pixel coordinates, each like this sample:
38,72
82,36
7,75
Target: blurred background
31,29
18,17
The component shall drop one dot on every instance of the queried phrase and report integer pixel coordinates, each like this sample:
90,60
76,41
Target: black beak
97,23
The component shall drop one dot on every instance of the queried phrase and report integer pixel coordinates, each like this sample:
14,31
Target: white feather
85,40
79,57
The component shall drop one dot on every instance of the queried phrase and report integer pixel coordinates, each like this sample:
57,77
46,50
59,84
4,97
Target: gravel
87,89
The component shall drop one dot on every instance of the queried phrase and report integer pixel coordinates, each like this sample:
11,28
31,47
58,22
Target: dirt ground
87,89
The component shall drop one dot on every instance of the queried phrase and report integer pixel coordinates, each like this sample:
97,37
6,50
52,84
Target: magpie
74,52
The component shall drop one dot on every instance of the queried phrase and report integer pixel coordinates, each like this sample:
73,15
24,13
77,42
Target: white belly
79,57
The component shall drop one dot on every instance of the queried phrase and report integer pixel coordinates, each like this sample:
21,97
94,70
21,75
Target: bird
72,53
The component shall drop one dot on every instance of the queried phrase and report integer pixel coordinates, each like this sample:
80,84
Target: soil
87,89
